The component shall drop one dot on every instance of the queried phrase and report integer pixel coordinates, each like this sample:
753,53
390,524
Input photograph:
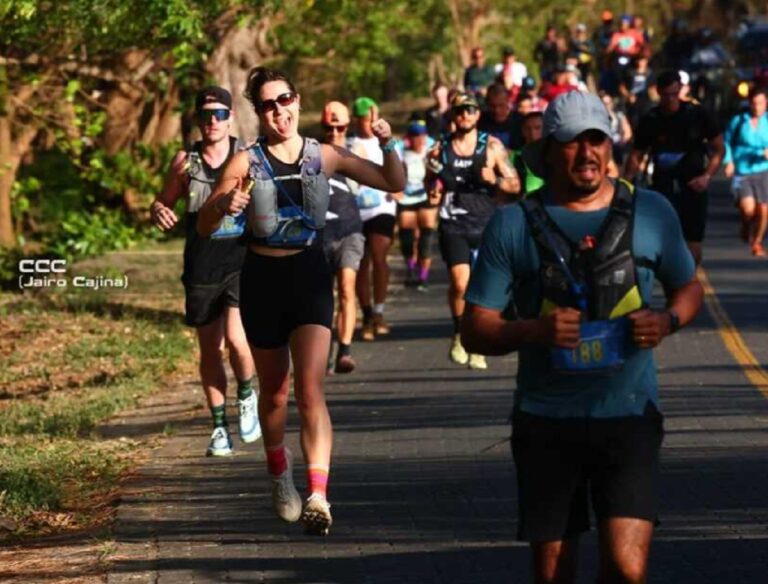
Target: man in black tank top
212,269
468,175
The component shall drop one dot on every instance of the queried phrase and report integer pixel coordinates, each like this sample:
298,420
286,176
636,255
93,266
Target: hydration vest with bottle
273,215
596,276
201,180
415,171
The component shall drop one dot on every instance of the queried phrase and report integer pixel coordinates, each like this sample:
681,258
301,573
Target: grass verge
70,359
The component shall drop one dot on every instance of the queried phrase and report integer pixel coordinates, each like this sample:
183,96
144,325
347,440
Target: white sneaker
220,444
285,498
457,352
316,516
248,422
477,361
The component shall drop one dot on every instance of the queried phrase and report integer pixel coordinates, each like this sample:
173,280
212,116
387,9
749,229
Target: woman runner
281,183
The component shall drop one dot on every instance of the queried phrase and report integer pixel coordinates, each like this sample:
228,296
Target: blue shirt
508,260
745,146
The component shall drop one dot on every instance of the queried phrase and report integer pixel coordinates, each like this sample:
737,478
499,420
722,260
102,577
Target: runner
746,160
468,174
343,240
499,120
532,128
678,135
416,218
586,420
286,284
479,75
438,115
211,274
378,211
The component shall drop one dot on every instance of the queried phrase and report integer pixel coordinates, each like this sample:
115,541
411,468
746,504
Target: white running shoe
248,422
477,361
457,353
316,516
220,444
285,498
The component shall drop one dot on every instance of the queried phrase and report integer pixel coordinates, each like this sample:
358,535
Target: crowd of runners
554,203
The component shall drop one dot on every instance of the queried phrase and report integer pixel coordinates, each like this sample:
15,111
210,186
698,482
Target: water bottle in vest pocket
294,229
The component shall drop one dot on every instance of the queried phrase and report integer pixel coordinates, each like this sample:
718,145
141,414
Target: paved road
422,482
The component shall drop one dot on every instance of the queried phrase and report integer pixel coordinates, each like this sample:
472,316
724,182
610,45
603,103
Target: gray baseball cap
566,117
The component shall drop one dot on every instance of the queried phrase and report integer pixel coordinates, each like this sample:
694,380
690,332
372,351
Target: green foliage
83,234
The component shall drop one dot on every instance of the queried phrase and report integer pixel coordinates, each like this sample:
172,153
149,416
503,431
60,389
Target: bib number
601,348
368,198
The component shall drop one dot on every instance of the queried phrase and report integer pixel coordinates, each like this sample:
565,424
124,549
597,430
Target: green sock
244,388
219,416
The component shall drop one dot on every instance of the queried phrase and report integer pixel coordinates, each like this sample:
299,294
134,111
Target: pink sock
411,264
276,461
317,479
424,274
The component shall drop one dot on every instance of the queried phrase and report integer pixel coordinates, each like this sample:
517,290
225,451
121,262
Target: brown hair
258,77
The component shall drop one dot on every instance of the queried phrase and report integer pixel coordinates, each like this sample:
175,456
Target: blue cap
417,128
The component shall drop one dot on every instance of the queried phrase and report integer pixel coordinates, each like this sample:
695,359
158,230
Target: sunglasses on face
465,109
339,129
206,116
270,105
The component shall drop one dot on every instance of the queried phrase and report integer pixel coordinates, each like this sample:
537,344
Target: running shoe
380,325
368,332
220,444
422,287
285,498
457,352
344,364
758,250
248,422
477,361
316,515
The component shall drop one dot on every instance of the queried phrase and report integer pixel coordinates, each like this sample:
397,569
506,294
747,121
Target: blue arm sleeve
727,137
491,282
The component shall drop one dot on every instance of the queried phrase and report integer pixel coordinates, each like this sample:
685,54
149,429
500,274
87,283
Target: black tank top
206,260
472,201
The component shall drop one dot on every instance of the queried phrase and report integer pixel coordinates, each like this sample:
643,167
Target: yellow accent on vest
547,306
632,301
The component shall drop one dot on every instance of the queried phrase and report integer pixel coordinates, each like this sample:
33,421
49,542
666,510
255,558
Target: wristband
389,146
674,321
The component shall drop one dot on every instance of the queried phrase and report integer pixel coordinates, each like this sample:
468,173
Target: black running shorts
457,248
561,462
280,294
204,303
382,224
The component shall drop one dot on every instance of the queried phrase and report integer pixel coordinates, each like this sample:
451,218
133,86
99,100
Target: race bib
231,226
602,348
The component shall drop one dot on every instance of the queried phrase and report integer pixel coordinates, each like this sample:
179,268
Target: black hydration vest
603,265
469,200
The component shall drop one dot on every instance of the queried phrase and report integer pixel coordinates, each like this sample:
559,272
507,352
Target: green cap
362,106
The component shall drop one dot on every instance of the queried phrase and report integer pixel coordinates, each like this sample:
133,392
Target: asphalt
422,484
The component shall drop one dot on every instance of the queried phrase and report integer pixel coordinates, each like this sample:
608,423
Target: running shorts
458,248
345,252
563,462
382,224
280,294
204,303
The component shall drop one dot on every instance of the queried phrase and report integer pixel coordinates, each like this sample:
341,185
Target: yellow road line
732,339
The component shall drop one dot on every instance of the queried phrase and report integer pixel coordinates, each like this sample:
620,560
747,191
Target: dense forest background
95,95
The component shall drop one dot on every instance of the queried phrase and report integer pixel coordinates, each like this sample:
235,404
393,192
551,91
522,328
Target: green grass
71,360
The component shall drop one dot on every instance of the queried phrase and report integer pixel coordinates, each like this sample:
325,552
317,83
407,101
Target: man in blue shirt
565,278
746,159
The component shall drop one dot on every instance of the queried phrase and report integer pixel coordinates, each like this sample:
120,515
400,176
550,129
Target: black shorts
382,224
691,209
280,294
204,303
561,462
458,248
423,205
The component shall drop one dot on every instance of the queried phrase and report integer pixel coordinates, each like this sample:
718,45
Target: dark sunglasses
465,109
339,129
270,105
206,116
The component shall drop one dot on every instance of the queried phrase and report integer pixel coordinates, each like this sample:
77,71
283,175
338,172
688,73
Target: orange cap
335,113
607,15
